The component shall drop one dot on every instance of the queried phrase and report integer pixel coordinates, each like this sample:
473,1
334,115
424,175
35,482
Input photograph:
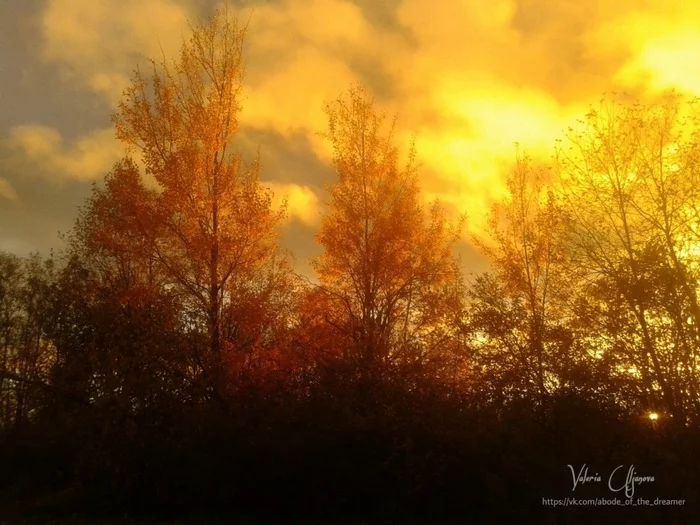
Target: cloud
301,54
16,246
7,191
98,44
302,202
666,62
88,158
477,80
468,80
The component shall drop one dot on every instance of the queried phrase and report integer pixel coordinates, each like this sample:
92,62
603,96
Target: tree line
172,325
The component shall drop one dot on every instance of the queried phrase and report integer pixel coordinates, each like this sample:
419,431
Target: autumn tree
390,281
209,225
627,178
109,235
116,321
26,352
518,311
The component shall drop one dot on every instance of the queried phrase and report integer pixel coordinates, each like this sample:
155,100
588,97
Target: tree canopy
170,357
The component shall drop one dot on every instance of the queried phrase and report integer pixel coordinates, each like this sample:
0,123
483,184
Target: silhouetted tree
388,276
26,353
627,181
209,225
519,311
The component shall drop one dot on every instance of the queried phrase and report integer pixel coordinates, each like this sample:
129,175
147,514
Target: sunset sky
467,77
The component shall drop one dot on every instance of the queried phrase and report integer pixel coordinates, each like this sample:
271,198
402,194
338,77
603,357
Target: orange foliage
208,231
389,279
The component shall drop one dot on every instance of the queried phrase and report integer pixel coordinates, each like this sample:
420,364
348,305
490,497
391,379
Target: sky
467,78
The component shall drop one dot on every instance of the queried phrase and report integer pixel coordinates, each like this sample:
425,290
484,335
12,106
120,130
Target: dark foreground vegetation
340,457
169,363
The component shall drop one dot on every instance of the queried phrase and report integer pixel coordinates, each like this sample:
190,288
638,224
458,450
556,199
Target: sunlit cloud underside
467,80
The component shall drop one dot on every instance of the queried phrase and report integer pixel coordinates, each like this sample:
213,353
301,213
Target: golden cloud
99,44
468,80
7,191
302,54
302,202
88,158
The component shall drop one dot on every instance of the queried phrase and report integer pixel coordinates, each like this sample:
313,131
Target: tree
627,181
26,353
388,273
209,225
519,312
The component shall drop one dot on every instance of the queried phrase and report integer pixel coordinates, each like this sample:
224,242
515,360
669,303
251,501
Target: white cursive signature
582,476
630,481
